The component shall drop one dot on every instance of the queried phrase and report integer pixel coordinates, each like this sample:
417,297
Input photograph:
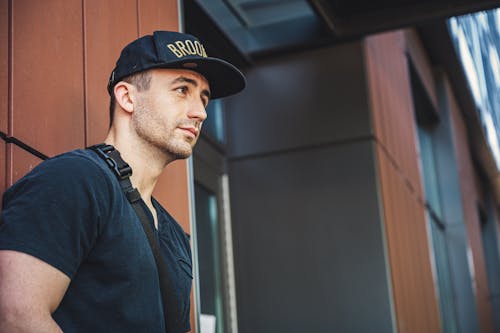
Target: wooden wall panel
47,81
173,191
107,31
157,15
22,163
4,66
414,293
391,103
412,279
4,90
470,198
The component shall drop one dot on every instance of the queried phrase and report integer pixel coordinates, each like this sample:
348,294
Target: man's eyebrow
183,79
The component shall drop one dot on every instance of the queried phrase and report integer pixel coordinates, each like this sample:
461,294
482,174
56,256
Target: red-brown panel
415,300
158,15
394,125
47,81
105,36
22,162
391,102
172,191
4,66
470,198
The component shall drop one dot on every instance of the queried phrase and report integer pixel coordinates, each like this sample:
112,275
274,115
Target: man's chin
180,154
178,150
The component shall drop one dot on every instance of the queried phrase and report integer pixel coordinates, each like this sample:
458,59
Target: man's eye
182,90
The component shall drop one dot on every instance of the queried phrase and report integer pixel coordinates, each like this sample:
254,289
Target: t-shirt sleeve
55,213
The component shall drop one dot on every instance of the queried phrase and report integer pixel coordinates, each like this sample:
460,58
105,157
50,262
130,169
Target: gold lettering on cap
199,48
190,47
181,49
180,45
175,50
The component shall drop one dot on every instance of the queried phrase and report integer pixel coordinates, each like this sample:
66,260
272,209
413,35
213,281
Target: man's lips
193,130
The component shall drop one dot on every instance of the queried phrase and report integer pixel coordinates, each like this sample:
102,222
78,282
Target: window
427,120
209,255
217,299
437,229
213,126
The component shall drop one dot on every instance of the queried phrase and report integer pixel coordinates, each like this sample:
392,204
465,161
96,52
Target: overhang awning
261,27
361,17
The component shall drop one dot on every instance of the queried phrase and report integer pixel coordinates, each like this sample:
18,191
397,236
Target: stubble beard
159,133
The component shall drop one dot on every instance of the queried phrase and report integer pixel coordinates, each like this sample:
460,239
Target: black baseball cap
168,49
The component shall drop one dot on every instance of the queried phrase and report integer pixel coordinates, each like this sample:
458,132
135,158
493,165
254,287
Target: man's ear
123,94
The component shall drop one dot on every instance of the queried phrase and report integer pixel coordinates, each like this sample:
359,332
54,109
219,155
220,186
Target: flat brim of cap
224,79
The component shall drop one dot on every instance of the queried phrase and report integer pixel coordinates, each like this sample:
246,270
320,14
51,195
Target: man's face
169,114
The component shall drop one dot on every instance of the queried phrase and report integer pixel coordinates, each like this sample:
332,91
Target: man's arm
30,291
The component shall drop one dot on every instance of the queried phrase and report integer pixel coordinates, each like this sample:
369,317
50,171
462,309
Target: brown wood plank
22,163
415,300
4,65
105,36
4,92
411,274
392,105
157,15
47,84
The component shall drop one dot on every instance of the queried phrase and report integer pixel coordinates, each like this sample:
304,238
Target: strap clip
122,171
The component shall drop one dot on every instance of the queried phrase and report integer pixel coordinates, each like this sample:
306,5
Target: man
74,256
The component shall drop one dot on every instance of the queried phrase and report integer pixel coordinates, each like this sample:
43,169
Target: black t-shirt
71,213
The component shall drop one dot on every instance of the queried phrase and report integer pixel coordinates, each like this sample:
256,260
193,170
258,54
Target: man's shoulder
78,158
68,170
77,164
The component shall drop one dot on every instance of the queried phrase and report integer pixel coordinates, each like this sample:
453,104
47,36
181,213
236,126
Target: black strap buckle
121,168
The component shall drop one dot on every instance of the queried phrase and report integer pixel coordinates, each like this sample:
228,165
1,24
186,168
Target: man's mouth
192,130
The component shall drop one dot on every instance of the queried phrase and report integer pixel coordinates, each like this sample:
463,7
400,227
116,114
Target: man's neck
147,163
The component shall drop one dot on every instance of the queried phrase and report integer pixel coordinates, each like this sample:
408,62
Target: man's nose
198,111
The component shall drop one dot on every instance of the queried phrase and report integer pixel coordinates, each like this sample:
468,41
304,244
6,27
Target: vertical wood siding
414,294
470,198
60,55
47,74
4,88
106,32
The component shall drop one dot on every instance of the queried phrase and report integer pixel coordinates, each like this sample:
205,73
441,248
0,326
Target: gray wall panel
308,242
305,99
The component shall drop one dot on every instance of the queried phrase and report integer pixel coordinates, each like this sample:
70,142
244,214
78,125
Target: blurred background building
352,187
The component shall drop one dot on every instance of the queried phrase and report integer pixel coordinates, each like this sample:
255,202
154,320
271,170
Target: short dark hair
141,80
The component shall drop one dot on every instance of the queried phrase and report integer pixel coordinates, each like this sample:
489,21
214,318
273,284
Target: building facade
352,187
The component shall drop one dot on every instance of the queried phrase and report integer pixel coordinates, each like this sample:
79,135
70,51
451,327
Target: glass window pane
213,126
207,229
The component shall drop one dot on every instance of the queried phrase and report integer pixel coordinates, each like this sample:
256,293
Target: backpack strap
123,171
